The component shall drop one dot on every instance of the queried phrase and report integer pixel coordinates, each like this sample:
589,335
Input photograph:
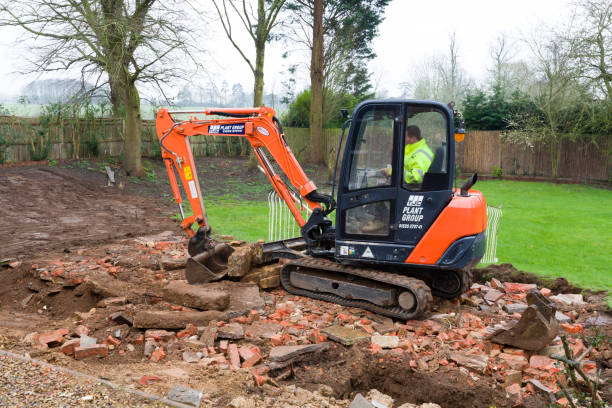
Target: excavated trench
356,370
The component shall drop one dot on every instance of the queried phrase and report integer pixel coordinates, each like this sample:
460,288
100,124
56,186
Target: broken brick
53,338
277,340
93,350
146,379
511,287
113,341
158,354
515,394
223,346
69,346
493,296
541,362
545,292
571,328
158,335
234,356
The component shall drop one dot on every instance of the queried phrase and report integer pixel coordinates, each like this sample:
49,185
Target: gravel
29,384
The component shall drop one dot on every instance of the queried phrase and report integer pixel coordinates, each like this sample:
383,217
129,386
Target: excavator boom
260,127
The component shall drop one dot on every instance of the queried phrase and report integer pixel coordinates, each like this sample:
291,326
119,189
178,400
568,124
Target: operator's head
413,134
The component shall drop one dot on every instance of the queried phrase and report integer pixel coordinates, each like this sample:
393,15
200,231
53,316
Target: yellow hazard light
459,137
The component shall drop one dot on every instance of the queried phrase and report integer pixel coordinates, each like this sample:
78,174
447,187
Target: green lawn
549,229
555,229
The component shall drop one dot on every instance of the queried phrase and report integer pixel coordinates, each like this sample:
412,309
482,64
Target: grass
555,230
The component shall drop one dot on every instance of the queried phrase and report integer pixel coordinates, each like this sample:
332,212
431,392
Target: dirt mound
506,272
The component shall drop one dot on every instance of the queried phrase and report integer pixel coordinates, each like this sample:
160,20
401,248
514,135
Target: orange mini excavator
395,241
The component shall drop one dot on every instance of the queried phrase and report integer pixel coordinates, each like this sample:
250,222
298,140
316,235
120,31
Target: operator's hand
385,172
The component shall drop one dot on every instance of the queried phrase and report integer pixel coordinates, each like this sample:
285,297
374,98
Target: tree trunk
316,85
132,148
258,87
258,74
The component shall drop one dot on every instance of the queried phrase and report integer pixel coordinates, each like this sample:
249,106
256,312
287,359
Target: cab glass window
425,158
372,151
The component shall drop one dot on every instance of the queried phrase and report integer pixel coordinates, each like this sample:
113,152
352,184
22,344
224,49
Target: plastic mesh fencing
494,215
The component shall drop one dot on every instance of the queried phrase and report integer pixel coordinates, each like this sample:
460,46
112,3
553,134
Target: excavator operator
417,157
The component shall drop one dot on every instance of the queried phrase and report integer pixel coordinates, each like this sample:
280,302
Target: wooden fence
24,139
581,160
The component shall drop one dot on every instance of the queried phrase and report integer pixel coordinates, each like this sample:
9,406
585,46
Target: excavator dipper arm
261,129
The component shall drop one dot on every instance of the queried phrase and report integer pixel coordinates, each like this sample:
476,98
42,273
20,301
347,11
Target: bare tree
119,42
440,77
556,92
592,44
259,25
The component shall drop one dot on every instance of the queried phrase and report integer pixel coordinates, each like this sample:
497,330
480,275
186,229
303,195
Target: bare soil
64,224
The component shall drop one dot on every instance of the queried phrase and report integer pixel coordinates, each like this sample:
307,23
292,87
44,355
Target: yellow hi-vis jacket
417,159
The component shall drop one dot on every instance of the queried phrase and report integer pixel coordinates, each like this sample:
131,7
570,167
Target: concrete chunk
360,402
232,331
345,335
474,362
386,341
185,395
196,296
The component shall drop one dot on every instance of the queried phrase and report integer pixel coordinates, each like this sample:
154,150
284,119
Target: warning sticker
367,253
187,171
344,250
192,189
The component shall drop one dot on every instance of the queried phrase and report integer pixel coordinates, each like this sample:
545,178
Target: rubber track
416,286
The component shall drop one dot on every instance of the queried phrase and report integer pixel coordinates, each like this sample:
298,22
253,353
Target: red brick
94,350
234,356
223,346
53,338
514,351
571,328
514,362
518,287
254,359
277,340
541,362
578,347
245,352
69,346
113,341
159,335
563,402
514,391
545,292
158,354
146,379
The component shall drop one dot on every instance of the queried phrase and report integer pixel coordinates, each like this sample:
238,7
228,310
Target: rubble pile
145,311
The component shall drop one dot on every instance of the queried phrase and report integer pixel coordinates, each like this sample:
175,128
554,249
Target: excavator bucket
210,265
536,328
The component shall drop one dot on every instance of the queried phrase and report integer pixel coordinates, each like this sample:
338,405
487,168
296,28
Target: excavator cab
382,211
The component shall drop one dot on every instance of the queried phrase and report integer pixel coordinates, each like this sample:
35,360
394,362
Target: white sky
411,32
